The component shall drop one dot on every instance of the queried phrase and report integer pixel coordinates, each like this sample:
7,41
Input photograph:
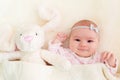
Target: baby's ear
7,38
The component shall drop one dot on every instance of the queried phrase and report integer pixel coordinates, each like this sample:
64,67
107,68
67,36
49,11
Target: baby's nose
28,38
83,44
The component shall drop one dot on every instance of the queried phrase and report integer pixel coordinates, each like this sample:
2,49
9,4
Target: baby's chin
84,54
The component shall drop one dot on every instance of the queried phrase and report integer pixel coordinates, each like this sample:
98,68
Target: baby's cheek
93,50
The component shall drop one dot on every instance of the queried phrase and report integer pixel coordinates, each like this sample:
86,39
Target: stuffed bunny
30,39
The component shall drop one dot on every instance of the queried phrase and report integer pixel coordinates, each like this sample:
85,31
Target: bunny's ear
7,38
51,15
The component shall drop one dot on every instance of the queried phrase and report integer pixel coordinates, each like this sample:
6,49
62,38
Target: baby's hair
85,23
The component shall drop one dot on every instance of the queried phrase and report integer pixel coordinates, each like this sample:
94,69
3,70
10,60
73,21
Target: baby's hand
60,37
109,58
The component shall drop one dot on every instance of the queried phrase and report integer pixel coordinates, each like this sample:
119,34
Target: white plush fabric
6,38
30,71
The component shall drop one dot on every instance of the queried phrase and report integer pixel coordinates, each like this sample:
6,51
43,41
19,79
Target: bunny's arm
56,60
9,56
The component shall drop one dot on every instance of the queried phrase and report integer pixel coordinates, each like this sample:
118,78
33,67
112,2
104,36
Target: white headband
91,28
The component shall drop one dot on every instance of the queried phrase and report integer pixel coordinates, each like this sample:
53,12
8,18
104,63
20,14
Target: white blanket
18,70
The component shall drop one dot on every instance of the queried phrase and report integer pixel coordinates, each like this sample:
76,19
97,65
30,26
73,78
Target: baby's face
84,42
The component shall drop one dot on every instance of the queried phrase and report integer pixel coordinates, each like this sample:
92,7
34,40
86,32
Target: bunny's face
30,39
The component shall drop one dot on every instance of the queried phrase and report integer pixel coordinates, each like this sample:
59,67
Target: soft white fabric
30,71
6,38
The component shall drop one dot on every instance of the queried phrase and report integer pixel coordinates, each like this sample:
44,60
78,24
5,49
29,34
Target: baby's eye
89,41
77,39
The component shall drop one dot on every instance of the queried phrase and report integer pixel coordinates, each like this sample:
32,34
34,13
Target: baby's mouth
82,49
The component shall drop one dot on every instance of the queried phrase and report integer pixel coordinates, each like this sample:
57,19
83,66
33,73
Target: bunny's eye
20,34
36,34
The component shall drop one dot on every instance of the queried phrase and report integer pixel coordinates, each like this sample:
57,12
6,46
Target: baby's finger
108,56
102,56
62,35
112,56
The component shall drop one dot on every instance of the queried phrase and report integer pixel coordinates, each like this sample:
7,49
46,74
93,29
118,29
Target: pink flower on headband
93,28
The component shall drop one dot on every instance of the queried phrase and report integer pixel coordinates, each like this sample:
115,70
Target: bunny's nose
28,38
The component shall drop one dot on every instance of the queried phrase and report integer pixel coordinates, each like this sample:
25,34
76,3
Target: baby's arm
55,45
110,60
9,56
